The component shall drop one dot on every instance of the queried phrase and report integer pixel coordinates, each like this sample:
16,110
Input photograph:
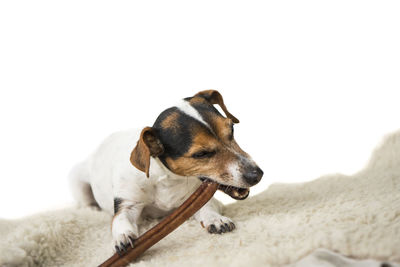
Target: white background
314,83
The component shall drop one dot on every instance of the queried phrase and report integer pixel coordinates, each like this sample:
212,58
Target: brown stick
197,200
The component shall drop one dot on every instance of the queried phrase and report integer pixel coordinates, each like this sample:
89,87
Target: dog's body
108,173
171,147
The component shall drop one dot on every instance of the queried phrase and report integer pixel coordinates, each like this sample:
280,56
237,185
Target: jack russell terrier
187,144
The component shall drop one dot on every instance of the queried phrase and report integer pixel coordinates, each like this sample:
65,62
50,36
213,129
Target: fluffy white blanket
357,216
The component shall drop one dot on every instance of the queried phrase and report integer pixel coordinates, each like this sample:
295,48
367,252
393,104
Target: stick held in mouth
197,200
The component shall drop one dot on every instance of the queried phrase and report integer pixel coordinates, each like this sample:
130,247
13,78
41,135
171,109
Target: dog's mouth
233,191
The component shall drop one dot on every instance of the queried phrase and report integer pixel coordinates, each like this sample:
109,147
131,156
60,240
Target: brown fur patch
170,121
148,145
214,97
222,127
198,100
215,166
202,140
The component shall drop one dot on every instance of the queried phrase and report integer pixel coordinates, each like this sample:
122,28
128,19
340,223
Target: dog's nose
253,175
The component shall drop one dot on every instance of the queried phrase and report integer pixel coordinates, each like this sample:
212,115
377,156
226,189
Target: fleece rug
356,216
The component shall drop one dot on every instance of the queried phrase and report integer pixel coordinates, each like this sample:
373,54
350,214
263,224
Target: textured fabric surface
357,216
326,258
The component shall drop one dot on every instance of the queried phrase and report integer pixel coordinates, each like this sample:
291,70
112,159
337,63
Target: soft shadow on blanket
356,216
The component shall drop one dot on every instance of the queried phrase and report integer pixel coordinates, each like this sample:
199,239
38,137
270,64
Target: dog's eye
203,154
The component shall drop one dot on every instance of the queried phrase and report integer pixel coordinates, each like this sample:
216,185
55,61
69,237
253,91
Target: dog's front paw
218,224
124,235
123,241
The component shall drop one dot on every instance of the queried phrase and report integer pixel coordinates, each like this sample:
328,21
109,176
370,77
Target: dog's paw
123,241
218,224
124,235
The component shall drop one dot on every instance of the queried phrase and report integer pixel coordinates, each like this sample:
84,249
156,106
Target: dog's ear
214,97
148,145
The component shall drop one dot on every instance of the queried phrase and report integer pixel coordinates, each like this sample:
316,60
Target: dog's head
194,139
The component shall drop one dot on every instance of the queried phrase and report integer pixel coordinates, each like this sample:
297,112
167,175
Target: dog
188,143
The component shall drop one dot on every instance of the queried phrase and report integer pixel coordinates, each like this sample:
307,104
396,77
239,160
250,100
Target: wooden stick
197,200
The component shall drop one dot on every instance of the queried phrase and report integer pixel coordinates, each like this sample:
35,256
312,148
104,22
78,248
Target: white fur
189,110
233,169
108,174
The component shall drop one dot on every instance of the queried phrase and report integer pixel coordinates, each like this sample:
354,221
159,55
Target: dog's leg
210,218
80,187
125,223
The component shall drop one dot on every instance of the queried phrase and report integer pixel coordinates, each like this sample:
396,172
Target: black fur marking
232,132
117,204
178,139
